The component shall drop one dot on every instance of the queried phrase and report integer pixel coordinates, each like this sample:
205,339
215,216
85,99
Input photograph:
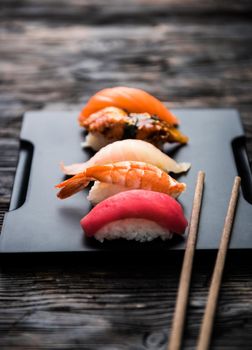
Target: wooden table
55,54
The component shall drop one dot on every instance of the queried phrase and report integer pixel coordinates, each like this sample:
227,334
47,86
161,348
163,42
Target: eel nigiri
111,123
127,174
130,99
135,150
136,214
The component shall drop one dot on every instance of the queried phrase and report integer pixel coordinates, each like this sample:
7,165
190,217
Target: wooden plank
134,11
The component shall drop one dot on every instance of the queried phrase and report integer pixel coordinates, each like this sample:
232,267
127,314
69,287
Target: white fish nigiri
129,149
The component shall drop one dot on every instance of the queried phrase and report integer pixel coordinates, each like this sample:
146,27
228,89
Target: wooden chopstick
185,277
207,324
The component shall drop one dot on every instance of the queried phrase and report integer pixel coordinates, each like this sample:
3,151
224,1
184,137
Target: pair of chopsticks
185,277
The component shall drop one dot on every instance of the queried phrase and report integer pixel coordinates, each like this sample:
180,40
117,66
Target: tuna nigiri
128,174
135,150
130,99
136,214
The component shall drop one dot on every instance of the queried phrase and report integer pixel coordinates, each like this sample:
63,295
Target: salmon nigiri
129,99
127,175
135,150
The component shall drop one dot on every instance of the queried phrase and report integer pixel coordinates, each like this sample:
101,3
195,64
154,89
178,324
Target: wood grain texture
55,54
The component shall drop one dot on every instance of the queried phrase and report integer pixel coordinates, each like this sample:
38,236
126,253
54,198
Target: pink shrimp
129,174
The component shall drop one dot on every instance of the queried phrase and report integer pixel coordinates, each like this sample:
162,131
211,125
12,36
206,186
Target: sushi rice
141,230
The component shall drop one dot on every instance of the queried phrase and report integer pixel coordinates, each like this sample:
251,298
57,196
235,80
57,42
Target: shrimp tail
72,185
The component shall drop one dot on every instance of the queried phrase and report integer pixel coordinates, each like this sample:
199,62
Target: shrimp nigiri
130,99
127,174
135,150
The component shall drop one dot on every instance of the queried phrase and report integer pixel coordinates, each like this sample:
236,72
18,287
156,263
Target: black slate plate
39,222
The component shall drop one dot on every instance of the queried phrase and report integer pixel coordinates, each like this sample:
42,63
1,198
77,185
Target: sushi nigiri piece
137,214
128,174
135,150
111,123
130,99
102,190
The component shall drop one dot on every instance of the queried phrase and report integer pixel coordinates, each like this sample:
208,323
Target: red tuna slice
144,204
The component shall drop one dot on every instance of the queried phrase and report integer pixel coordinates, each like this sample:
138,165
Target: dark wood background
55,54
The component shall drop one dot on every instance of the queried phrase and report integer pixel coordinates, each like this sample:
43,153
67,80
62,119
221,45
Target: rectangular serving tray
39,222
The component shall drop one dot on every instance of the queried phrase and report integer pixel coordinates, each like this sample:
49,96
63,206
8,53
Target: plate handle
22,176
243,166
